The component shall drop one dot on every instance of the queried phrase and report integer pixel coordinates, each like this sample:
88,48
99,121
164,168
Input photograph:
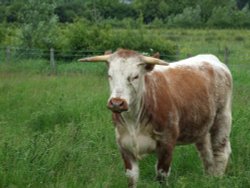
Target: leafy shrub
225,17
220,17
9,36
190,17
38,29
81,36
242,17
124,23
157,23
2,33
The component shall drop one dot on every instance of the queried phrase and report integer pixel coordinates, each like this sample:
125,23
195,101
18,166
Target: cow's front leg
164,154
132,169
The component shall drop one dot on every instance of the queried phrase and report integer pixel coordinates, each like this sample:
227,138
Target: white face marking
126,78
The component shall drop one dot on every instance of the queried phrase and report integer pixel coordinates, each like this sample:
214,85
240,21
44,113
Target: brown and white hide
157,107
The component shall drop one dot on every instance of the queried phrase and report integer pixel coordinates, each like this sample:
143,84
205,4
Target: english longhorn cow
157,105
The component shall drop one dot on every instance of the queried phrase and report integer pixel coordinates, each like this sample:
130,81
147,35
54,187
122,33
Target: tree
97,10
2,14
207,7
12,12
151,9
242,3
38,23
190,17
68,12
229,17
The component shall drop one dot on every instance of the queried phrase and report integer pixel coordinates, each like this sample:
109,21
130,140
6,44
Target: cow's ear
108,52
149,67
150,62
156,55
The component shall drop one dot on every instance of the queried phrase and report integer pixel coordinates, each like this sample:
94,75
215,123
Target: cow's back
187,95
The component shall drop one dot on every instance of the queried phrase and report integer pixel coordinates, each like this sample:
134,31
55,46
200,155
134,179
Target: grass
55,131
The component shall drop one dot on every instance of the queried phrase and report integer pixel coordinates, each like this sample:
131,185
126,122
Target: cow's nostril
116,102
111,103
117,105
121,103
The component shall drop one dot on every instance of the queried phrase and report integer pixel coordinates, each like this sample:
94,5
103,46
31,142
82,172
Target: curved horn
153,61
100,58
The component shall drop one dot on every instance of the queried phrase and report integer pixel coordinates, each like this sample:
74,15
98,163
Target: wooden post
52,60
226,55
7,55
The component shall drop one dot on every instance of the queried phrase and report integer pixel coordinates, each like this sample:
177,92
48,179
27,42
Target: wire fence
8,53
11,55
17,52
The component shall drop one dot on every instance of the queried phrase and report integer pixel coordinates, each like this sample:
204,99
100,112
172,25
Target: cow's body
186,102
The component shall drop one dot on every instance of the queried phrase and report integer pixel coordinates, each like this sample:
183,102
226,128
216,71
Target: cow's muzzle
117,105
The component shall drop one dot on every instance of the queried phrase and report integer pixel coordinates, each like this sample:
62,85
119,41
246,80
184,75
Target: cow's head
126,76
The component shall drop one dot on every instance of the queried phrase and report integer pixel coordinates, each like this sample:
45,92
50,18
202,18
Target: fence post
52,60
7,55
226,55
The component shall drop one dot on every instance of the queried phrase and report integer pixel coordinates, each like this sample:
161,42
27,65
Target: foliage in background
99,10
228,18
190,17
99,25
10,35
38,24
81,36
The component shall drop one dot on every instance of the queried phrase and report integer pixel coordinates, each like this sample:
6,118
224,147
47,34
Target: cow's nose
117,105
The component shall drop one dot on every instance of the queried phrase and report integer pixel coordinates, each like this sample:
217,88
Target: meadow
55,130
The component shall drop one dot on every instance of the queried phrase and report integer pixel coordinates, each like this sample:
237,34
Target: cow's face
126,74
126,80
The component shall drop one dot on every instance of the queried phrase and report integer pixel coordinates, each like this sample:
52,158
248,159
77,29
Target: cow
158,105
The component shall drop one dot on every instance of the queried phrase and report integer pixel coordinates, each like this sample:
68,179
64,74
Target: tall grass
55,131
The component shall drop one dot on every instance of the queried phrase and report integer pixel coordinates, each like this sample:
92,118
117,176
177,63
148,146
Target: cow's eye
135,77
132,78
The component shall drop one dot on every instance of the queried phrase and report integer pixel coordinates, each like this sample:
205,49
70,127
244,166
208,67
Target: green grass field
55,131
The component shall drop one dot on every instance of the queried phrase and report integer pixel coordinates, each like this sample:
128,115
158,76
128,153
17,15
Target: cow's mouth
117,105
117,110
